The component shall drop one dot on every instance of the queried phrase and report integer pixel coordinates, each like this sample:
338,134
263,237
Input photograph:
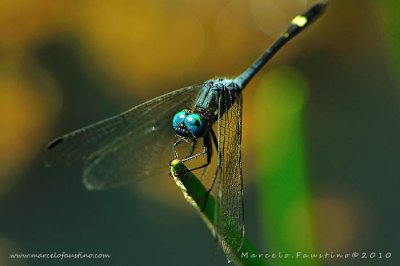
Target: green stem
196,194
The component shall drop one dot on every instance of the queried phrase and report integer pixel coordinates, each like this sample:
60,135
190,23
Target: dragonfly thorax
216,97
189,125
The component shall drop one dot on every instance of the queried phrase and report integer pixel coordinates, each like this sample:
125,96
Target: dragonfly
134,145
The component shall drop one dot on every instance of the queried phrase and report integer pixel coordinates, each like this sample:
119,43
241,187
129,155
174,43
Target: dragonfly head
189,124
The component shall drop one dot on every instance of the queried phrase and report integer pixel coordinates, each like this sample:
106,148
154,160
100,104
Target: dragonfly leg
174,148
192,148
215,140
206,151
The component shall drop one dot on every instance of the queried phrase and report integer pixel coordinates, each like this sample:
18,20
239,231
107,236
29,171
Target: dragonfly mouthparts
182,131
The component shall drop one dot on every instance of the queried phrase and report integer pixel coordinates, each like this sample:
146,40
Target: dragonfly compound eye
195,125
178,119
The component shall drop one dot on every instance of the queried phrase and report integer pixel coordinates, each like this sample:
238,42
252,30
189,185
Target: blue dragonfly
137,144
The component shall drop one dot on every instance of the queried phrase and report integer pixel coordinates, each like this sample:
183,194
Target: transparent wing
130,146
230,224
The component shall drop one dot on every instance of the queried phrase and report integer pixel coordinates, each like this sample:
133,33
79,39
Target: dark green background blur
321,126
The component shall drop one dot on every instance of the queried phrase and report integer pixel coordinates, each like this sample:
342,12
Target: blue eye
195,124
178,118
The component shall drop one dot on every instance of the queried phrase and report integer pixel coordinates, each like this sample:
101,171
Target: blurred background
321,127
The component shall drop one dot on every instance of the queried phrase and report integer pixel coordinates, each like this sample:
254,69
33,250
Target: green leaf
281,164
205,204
